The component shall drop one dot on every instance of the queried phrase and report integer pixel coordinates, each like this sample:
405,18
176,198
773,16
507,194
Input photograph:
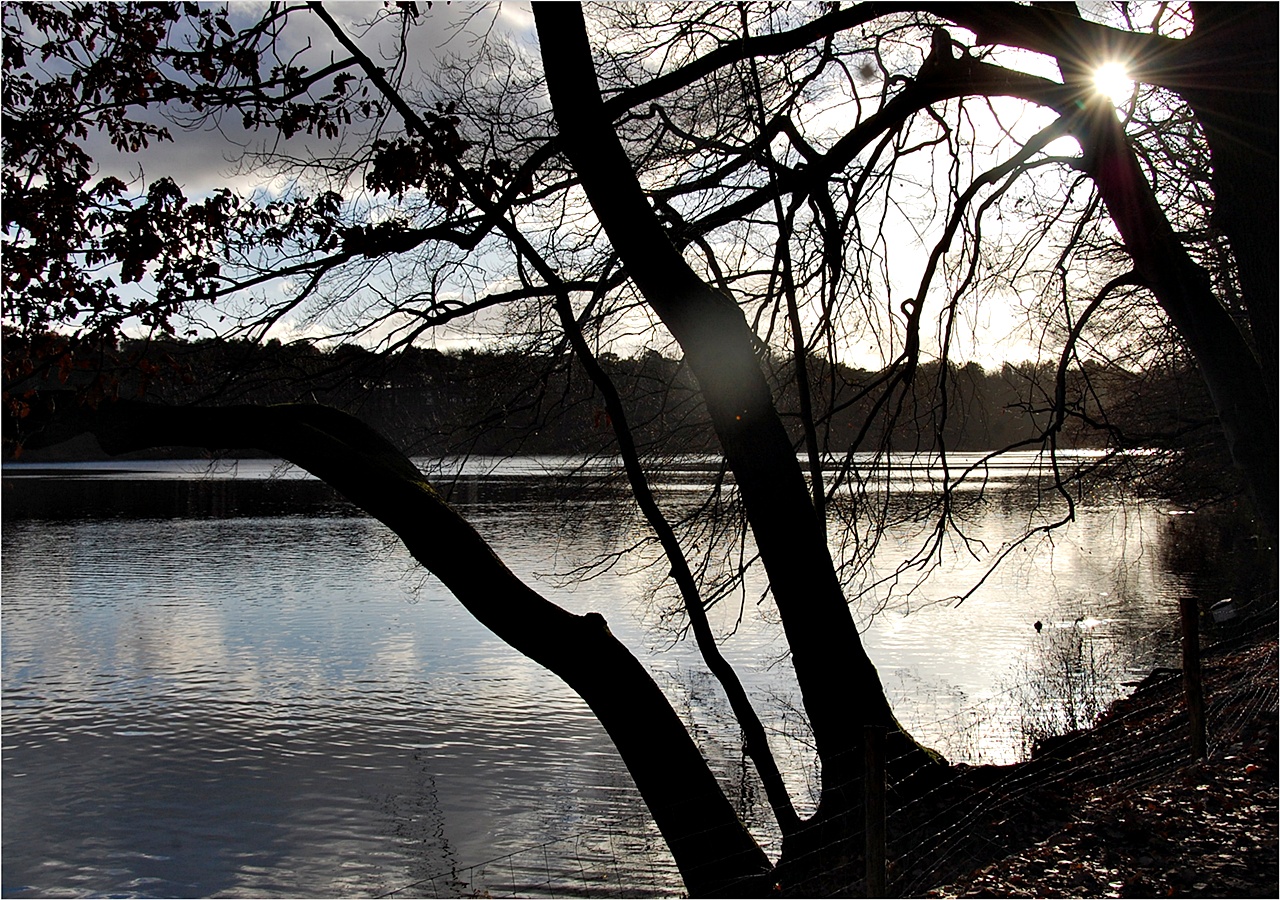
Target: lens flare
1112,80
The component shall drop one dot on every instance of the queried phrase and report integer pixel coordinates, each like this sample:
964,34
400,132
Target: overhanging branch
692,812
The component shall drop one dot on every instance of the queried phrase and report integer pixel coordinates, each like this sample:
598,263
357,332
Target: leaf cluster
86,254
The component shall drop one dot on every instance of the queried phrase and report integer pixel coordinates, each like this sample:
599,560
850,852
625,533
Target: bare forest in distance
539,401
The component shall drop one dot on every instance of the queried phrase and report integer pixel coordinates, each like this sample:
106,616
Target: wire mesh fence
939,828
618,858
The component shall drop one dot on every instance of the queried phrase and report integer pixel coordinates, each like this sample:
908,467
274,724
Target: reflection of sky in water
265,704
265,708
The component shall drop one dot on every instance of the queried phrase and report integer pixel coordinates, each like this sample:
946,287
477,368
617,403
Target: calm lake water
221,680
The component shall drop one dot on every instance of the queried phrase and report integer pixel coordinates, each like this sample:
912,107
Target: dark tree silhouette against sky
769,192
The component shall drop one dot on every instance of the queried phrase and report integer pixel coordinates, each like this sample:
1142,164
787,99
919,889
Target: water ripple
264,705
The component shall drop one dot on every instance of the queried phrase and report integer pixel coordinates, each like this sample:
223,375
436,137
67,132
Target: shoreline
1121,809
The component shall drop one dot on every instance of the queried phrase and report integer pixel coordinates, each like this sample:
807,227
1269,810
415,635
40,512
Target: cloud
214,151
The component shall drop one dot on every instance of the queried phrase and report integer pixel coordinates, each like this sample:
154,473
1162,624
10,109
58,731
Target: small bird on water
1039,625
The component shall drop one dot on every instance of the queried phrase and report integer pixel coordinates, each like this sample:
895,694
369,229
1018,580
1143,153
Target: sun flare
1112,80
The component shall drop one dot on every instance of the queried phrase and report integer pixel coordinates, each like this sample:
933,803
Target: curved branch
715,853
1069,346
753,730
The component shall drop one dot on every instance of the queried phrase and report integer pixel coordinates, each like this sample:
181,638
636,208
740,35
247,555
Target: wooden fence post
1192,683
873,781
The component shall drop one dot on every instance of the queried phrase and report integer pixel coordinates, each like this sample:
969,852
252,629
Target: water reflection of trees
1101,584
1065,683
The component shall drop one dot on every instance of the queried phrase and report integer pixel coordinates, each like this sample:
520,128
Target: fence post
1193,686
874,791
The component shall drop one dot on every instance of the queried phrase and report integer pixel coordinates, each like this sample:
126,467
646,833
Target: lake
219,679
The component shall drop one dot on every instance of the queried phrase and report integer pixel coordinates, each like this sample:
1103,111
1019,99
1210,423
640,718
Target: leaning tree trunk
1226,71
716,855
1230,61
840,687
1239,384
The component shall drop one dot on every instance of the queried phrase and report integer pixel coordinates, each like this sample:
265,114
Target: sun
1112,80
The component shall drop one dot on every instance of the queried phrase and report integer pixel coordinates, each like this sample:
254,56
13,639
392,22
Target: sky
208,158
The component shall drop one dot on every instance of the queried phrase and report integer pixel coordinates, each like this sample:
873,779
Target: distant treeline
435,403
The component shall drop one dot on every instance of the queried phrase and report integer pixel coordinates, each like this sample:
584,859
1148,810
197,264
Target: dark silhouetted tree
735,184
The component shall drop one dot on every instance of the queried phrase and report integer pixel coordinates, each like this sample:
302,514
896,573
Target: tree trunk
716,855
1232,53
839,684
1227,72
1238,385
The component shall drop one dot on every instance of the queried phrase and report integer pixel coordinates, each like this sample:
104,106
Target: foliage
92,256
